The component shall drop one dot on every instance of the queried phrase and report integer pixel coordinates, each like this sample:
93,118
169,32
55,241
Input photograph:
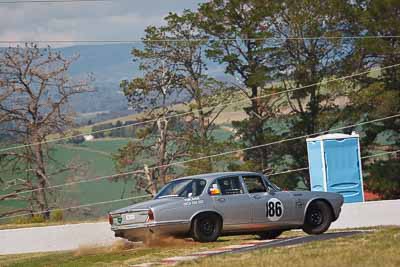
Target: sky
115,19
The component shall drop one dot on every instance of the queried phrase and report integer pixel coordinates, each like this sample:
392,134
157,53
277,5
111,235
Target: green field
375,248
96,158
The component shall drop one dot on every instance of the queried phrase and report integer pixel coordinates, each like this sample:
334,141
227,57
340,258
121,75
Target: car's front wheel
318,218
270,234
206,227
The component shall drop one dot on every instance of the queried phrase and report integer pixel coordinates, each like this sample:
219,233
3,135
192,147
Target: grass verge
378,248
117,254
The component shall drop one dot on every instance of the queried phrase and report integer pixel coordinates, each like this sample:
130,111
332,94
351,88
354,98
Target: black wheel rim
207,227
315,217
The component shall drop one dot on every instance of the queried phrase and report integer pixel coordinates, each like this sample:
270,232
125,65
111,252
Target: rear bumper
138,232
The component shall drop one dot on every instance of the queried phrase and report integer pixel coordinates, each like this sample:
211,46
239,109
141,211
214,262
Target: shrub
21,220
57,216
37,218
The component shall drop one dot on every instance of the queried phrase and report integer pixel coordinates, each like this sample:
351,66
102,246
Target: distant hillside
109,64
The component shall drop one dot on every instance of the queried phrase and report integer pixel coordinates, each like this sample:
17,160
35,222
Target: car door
269,206
231,201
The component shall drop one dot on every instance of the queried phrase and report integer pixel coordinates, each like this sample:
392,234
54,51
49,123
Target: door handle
221,199
257,197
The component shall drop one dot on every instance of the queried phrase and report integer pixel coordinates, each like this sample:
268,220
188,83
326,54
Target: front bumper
142,231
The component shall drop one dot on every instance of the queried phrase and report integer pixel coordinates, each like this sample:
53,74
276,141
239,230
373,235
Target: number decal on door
274,209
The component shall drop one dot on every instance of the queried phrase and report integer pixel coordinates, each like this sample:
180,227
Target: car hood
147,204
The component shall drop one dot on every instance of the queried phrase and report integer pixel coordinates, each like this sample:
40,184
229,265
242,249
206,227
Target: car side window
228,185
198,187
195,188
254,184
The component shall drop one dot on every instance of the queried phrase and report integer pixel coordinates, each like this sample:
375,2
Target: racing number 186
274,209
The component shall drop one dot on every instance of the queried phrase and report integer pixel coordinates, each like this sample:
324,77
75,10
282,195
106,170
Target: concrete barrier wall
55,238
373,213
73,236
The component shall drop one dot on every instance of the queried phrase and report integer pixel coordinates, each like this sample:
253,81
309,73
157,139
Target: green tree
238,30
175,71
77,139
159,140
307,62
378,95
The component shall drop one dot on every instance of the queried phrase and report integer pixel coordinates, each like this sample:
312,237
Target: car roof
212,176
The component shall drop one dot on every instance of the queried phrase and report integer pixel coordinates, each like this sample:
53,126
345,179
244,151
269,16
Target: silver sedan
209,205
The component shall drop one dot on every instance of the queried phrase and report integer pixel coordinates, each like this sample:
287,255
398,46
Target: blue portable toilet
335,165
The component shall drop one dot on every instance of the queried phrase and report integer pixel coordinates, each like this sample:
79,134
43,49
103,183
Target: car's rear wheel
206,227
270,234
318,218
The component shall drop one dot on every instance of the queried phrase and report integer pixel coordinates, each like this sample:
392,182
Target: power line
117,175
138,197
288,171
209,156
76,207
365,157
51,1
200,40
203,109
381,154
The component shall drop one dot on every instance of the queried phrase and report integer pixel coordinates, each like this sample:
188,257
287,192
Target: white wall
373,213
55,238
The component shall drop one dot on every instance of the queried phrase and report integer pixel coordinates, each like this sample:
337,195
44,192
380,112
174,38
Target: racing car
207,206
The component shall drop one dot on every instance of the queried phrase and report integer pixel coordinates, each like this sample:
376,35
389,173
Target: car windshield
182,188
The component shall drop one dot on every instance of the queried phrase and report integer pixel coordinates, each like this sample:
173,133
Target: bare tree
35,90
163,140
175,76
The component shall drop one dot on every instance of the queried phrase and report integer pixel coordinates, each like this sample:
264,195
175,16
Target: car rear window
183,188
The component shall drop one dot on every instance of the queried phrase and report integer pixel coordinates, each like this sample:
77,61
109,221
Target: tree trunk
203,134
162,152
152,181
41,177
257,127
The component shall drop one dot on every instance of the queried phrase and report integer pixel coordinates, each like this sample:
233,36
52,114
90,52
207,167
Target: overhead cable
204,109
177,163
199,40
144,196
